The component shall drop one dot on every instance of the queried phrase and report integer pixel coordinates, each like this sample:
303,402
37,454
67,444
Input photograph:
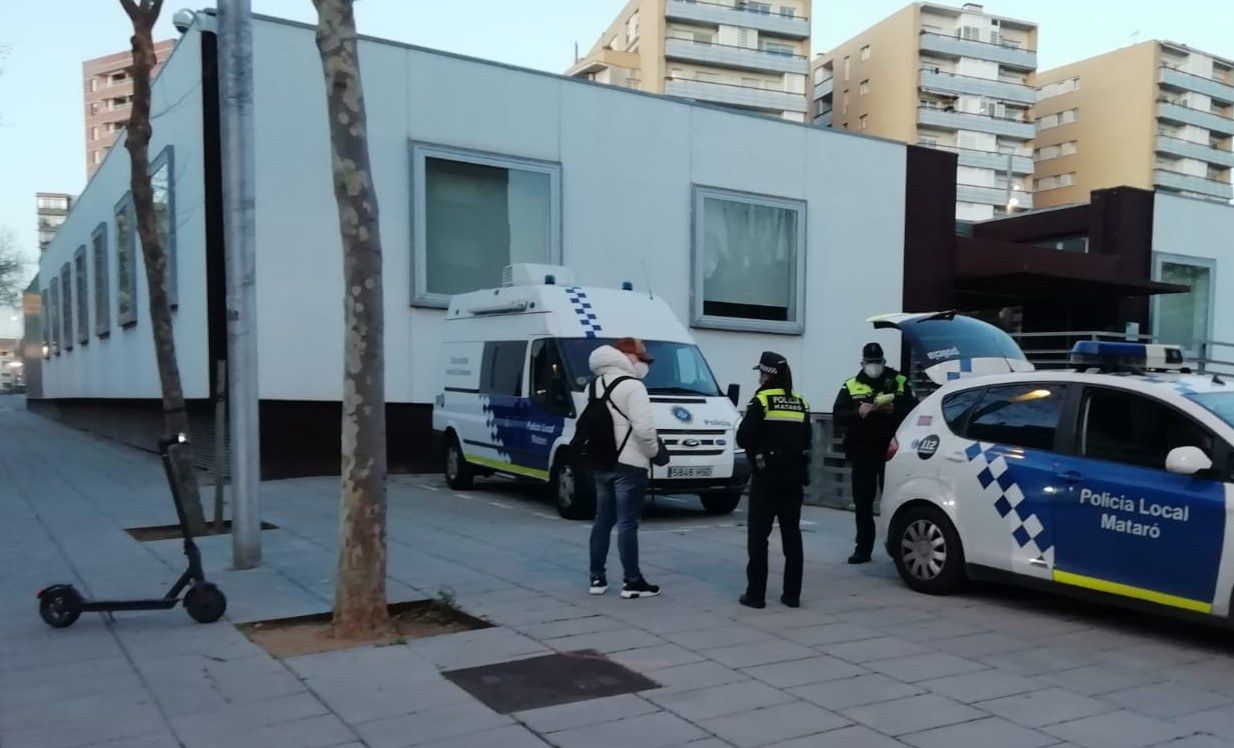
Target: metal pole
236,113
220,441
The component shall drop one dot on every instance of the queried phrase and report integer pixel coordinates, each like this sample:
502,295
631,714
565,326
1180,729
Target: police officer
870,407
775,433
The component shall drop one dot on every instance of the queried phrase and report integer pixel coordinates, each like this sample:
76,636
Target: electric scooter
60,605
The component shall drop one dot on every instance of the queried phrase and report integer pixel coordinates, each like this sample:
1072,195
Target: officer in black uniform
775,433
870,407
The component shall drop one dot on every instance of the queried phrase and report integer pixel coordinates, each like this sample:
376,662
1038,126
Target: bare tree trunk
175,418
360,594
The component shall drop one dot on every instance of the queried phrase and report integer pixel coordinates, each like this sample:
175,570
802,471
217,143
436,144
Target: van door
946,346
502,441
551,405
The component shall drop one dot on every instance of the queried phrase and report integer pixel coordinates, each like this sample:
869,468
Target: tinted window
549,386
1220,403
1018,415
502,372
679,368
937,340
1135,430
957,405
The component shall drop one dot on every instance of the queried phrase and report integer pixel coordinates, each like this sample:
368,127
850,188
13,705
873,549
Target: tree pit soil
170,532
314,634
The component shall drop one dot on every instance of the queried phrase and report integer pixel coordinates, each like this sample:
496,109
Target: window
775,48
971,33
474,214
758,7
1018,415
102,281
864,88
80,281
97,157
863,120
680,368
53,315
1220,404
1135,430
1184,318
749,261
632,29
162,180
703,75
126,262
956,407
788,12
550,386
846,67
66,305
865,52
501,373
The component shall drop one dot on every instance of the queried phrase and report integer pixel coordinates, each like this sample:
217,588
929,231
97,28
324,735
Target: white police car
1114,479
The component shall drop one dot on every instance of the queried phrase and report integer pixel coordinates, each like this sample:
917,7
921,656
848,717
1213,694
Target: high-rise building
108,92
741,54
952,78
1152,115
50,208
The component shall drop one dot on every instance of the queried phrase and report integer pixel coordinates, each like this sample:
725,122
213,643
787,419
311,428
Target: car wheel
720,502
573,490
927,550
459,474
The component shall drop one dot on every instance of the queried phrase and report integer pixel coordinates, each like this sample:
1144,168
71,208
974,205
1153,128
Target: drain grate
549,680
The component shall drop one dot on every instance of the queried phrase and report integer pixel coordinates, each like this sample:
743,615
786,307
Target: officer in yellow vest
775,433
869,408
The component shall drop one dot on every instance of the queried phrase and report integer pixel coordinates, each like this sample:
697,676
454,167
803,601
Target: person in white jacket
620,492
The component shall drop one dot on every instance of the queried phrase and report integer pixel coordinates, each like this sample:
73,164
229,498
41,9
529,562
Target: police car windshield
945,339
679,368
1220,403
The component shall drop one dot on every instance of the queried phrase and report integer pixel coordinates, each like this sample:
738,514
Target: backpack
594,445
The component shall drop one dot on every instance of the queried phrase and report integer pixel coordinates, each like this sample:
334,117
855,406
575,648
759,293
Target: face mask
873,371
641,369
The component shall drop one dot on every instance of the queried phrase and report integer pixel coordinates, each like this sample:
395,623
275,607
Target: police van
514,373
1114,479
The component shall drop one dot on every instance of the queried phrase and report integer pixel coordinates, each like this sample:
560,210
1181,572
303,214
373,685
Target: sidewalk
864,663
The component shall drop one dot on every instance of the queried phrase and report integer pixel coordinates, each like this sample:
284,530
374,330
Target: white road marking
500,505
462,495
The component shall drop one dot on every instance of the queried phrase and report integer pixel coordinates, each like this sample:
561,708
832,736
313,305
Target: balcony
824,119
945,120
954,47
950,83
824,88
1197,151
743,58
1198,117
1184,81
748,97
985,159
699,11
1173,180
990,195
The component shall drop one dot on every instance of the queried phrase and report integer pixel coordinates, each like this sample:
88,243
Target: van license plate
689,472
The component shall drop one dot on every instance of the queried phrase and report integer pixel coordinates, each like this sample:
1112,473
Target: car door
1123,523
502,399
1003,475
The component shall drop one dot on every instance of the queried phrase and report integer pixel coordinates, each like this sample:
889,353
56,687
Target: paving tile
606,641
1199,741
694,676
804,672
475,648
845,737
1218,721
510,736
775,723
716,701
430,725
912,714
1121,729
1168,700
648,731
981,686
581,713
310,732
850,692
925,666
990,731
871,650
650,659
830,633
981,645
1046,707
571,627
723,636
1092,680
760,653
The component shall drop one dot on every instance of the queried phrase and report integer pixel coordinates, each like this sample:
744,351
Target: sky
42,139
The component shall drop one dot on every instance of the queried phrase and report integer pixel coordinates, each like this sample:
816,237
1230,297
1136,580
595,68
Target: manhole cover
548,681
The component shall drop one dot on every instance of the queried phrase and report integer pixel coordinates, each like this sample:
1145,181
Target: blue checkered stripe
1005,494
584,311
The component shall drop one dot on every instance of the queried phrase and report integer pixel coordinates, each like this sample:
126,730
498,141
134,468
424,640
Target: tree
143,14
360,594
12,269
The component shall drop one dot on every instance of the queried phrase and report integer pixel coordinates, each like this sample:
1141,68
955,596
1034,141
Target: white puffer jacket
628,398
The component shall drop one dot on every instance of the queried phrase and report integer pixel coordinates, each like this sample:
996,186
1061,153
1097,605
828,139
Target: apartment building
957,79
1152,115
50,210
108,95
742,54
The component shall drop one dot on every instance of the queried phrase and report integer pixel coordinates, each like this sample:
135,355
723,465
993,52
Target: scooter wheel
205,603
60,606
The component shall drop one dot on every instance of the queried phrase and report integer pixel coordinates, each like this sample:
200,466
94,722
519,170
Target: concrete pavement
865,662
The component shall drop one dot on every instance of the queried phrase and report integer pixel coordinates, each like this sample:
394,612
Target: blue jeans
619,501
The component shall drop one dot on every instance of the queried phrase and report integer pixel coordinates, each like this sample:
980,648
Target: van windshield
679,368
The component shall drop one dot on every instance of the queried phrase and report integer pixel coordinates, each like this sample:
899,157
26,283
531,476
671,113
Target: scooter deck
99,606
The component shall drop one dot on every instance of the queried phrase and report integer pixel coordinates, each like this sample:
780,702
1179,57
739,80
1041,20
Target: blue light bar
1118,355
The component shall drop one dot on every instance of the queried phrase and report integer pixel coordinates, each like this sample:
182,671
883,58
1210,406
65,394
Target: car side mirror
1187,461
734,393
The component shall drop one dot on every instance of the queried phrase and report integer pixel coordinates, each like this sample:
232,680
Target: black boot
859,557
750,601
792,602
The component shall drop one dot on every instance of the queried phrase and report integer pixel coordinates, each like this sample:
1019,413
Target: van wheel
927,550
573,491
721,502
459,474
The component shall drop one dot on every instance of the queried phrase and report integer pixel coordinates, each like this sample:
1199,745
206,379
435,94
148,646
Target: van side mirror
734,394
1187,461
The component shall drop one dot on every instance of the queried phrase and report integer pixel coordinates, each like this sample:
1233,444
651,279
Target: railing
1002,52
1021,163
739,14
736,56
933,78
1176,112
1217,88
1009,126
831,483
1052,350
1193,183
1210,152
736,94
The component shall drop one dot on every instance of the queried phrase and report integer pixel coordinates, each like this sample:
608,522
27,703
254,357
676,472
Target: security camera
183,19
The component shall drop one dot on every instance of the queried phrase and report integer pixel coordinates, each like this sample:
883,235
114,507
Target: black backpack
594,446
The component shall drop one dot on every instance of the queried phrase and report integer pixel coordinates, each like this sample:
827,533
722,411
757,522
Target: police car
1113,479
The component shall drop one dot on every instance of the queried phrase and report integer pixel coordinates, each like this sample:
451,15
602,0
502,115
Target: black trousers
867,482
774,498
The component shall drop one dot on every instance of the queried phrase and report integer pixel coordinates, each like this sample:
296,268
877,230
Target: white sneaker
599,585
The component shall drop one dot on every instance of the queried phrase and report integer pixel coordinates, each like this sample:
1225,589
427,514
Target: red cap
634,347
